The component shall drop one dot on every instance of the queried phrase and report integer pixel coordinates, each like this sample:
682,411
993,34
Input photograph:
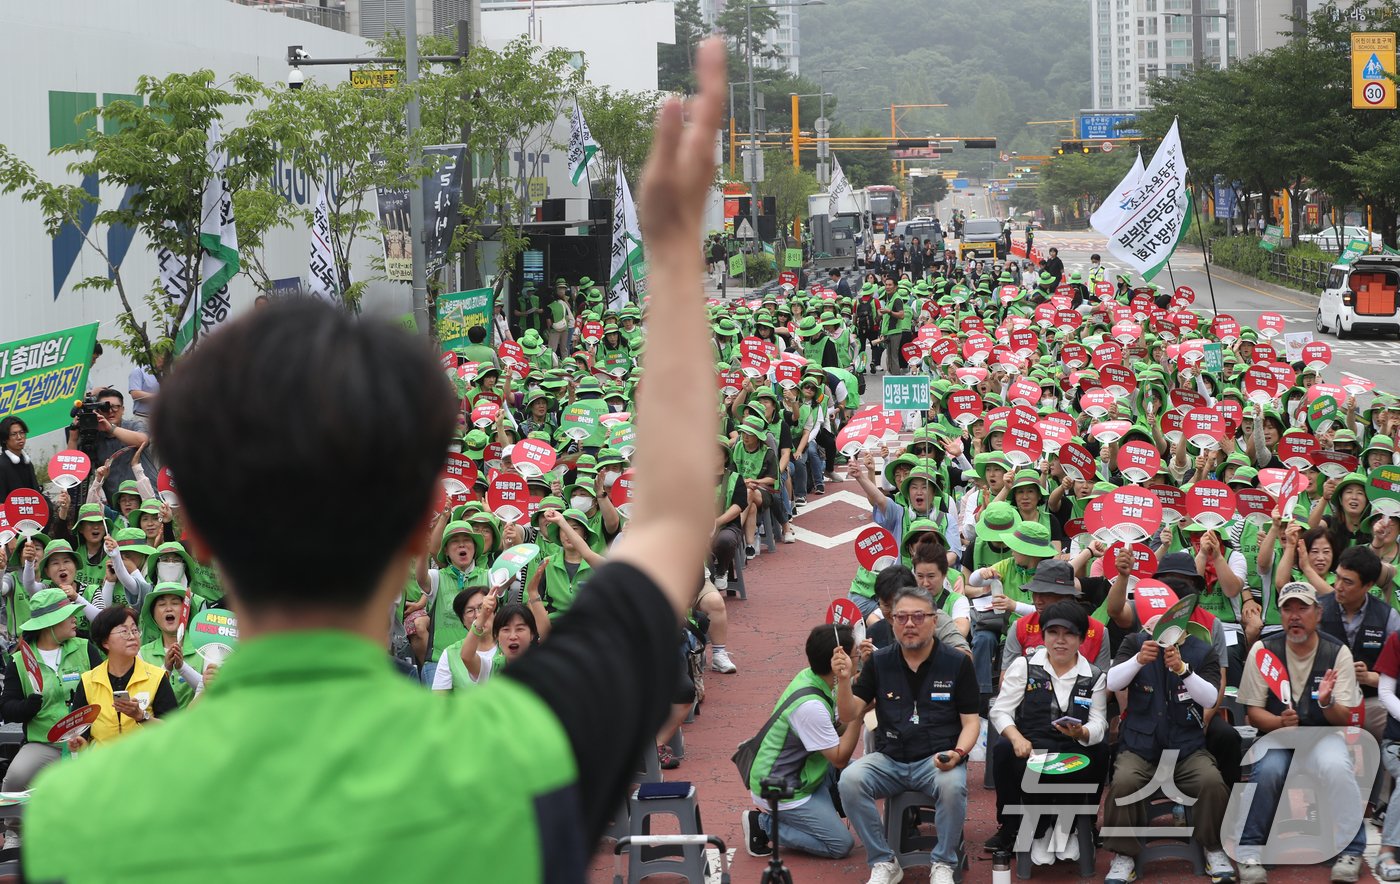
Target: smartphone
1066,721
121,695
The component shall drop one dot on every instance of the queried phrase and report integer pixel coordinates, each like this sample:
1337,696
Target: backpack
865,318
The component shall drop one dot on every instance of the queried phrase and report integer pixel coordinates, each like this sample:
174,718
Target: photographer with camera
100,429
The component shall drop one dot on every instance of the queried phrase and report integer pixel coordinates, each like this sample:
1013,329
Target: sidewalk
788,593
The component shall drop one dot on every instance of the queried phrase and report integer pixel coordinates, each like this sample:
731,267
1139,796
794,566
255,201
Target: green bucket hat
908,460
49,607
531,343
148,507
128,487
998,520
168,548
476,442
132,540
922,526
1031,539
754,426
575,516
726,328
55,548
92,512
460,529
1027,477
921,472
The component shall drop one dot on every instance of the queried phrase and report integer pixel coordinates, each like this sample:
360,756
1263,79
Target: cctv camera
295,79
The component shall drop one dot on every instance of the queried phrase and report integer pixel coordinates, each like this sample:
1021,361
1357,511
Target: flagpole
1205,256
1171,276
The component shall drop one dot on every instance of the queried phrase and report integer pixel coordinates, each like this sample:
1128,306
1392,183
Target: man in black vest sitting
1322,682
925,698
1169,688
1360,620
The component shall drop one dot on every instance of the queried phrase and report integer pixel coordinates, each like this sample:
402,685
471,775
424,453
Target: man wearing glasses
925,698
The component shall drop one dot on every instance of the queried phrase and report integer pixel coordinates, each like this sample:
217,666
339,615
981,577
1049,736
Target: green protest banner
1383,490
1355,249
792,257
1053,763
41,377
459,312
1322,413
736,265
1272,238
1214,359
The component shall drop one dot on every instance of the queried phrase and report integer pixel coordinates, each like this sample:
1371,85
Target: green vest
154,653
983,556
843,349
556,587
748,464
293,783
782,753
446,627
852,387
58,686
863,583
460,676
890,325
812,349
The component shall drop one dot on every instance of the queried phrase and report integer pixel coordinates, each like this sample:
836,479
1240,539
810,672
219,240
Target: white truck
838,240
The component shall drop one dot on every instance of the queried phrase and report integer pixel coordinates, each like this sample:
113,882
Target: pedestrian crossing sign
1372,65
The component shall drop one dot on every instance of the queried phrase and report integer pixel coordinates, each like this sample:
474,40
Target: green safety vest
154,654
446,627
843,349
556,587
59,685
294,785
1249,548
812,350
748,464
863,584
852,386
461,678
889,325
782,754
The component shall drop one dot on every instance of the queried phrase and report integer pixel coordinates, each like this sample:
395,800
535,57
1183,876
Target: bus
884,206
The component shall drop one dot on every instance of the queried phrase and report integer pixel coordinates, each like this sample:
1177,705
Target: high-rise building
1135,41
785,38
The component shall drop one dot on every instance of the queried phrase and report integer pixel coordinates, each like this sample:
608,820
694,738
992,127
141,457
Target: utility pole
415,193
471,275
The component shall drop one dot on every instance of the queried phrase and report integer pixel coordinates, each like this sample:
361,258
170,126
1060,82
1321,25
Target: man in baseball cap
1054,581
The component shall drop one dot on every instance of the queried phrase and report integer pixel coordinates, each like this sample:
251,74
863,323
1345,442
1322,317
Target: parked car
1361,296
1335,239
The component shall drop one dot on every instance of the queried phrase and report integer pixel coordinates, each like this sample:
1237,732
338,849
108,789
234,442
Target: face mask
455,448
170,572
580,503
609,479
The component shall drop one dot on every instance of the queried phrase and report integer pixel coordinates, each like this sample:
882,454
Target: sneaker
1218,867
1123,870
941,873
720,662
754,838
1004,841
789,536
668,761
1347,868
820,489
750,551
801,501
886,873
1252,872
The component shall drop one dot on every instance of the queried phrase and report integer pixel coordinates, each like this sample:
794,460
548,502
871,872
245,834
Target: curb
1261,285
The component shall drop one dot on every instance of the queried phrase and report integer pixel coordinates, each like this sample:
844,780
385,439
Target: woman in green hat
1346,508
537,417
51,630
539,357
153,518
569,562
1027,494
160,618
58,565
461,565
127,552
559,320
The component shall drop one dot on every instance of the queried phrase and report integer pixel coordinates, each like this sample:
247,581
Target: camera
86,415
295,79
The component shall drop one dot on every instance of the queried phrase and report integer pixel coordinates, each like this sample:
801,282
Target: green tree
928,189
621,124
156,150
734,22
674,60
1067,179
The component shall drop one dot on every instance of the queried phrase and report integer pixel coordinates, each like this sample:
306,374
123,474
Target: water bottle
1001,867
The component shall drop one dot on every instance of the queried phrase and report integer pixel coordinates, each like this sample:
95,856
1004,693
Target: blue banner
1105,125
1225,201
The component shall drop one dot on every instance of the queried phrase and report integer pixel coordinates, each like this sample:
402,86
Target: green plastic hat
754,426
54,548
998,520
133,540
92,512
1027,477
460,529
580,521
1031,539
531,343
922,472
477,441
726,328
168,548
49,607
148,507
128,487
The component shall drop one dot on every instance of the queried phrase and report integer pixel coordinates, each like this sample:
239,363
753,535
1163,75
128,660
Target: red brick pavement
788,593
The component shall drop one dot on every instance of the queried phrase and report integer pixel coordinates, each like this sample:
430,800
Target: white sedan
1334,239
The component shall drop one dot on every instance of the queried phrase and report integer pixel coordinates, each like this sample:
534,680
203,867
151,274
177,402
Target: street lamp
825,127
753,120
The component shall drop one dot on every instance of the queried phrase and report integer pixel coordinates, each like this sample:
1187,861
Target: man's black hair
459,604
1363,562
892,580
821,644
274,401
833,271
476,334
111,393
1066,609
1095,257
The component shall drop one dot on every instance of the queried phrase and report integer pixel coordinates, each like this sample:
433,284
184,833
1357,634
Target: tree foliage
1072,177
620,122
674,60
790,188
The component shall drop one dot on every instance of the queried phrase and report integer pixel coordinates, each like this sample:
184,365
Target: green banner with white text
459,312
42,377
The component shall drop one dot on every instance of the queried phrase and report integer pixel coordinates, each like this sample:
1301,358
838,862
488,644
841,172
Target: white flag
626,241
1108,214
322,282
582,147
218,236
1152,217
840,189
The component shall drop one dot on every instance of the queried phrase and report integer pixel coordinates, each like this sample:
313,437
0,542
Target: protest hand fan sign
165,487
1056,763
1335,464
73,723
1131,515
508,498
1023,391
1107,354
977,348
510,562
1074,356
68,469
622,491
1225,329
484,414
1283,374
1109,432
943,351
1270,325
1097,402
1117,380
1317,355
1183,400
532,457
1255,505
1053,435
1022,445
1139,461
1171,424
592,332
913,353
788,374
972,375
1078,463
31,666
1294,449
857,434
1383,490
459,474
1210,503
1275,675
1322,413
1204,428
28,512
731,380
964,407
1173,502
1103,290
1151,599
511,353
1170,628
843,612
1184,296
579,420
1144,562
876,549
1263,353
1233,413
1260,385
1356,385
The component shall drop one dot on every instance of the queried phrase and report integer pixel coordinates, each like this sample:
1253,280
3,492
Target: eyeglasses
127,632
916,618
18,434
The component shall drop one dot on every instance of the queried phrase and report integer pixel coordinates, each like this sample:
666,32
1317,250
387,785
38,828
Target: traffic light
1069,147
912,143
988,143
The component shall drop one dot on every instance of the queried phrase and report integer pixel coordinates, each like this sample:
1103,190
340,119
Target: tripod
775,789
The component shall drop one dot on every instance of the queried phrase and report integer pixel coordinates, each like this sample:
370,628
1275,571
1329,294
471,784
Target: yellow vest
145,678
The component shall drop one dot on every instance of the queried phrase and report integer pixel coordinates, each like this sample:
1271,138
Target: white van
1361,297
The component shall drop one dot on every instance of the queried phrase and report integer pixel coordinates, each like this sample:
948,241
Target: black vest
1309,713
1160,714
1370,638
1039,705
911,728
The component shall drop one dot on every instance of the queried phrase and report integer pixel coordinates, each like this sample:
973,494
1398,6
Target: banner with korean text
41,377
